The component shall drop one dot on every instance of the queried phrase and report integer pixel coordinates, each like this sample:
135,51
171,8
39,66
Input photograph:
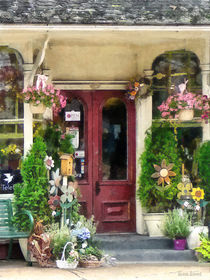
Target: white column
206,84
28,117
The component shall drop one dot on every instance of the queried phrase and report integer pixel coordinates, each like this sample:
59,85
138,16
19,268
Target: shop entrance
103,123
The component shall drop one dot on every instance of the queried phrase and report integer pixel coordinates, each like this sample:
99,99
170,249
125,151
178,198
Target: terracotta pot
38,109
186,115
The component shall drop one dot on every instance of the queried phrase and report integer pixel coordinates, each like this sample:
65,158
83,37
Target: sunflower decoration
185,190
197,194
163,172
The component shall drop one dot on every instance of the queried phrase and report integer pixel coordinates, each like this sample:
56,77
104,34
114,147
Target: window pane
114,140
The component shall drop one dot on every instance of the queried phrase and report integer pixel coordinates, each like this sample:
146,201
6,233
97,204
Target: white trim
78,27
91,85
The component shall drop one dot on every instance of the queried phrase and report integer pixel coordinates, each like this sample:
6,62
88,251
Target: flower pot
180,244
37,109
186,115
23,242
153,222
193,240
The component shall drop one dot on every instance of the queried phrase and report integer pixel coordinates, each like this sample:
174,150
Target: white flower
53,213
49,162
55,183
67,221
67,193
186,204
197,208
84,245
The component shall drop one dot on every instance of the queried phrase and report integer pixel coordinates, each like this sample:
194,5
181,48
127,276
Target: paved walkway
18,270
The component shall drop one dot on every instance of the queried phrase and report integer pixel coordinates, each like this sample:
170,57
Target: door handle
97,189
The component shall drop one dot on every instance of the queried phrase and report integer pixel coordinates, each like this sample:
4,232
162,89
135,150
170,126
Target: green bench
7,229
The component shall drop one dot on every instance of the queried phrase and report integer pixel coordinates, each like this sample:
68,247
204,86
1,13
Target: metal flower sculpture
197,194
185,189
163,172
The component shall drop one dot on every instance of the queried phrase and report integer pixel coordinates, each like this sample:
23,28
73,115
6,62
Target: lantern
66,164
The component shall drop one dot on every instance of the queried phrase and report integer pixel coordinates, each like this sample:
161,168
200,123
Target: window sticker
71,116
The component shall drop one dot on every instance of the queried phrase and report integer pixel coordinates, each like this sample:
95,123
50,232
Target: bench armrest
31,219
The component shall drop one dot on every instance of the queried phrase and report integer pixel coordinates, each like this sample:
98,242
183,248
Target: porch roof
109,12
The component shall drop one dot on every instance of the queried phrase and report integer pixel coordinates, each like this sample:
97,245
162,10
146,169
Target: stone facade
112,12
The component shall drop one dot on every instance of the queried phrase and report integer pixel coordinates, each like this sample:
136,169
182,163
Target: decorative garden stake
163,172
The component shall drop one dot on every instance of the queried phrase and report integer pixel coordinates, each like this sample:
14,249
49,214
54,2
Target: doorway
103,123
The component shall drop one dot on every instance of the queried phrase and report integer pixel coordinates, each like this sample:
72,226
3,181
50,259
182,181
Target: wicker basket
37,109
89,263
62,263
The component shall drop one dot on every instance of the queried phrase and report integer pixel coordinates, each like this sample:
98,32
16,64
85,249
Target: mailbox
66,164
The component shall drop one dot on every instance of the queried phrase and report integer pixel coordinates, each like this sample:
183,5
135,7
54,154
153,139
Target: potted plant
32,193
44,96
176,225
13,154
182,106
160,144
203,251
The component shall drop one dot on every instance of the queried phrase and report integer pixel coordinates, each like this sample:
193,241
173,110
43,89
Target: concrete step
134,248
152,255
133,241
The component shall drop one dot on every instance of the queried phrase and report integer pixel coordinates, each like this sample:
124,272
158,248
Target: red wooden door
106,174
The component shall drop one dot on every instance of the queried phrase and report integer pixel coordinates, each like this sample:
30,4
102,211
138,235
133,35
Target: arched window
171,69
11,113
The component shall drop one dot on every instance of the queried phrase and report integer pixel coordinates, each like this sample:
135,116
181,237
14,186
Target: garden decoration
163,172
192,199
174,105
139,87
43,94
39,246
73,259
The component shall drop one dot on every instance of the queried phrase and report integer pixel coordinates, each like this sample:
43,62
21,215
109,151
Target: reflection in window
11,117
74,124
114,140
170,70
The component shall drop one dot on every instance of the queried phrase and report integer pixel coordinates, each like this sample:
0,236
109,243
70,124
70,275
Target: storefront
92,66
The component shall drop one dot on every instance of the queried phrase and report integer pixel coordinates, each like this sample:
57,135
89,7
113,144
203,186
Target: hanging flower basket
37,109
186,115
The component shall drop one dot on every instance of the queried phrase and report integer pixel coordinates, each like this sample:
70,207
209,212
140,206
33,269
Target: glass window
170,70
11,118
114,140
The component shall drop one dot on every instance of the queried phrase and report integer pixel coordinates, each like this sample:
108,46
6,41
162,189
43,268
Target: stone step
152,255
132,241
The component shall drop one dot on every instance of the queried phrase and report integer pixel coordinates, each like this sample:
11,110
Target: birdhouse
66,164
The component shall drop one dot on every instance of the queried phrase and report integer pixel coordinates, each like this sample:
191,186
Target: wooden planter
38,109
186,115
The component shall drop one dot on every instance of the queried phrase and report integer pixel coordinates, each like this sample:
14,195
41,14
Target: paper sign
75,132
72,116
79,154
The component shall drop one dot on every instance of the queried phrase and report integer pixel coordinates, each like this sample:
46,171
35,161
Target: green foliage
91,251
66,144
59,237
56,143
32,194
176,224
160,143
204,248
203,158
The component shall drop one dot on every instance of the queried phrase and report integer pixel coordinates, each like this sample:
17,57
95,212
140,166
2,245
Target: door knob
98,189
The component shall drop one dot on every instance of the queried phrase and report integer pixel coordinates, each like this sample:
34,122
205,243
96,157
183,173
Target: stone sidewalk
18,270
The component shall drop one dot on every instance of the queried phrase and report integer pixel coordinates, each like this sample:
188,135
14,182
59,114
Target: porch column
28,117
206,84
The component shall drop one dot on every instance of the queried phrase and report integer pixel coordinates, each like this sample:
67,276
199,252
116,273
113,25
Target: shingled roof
112,12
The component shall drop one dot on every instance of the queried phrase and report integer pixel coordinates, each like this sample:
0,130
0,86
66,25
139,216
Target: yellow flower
197,194
133,92
185,189
163,172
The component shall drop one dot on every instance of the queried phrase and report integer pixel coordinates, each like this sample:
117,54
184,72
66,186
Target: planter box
153,222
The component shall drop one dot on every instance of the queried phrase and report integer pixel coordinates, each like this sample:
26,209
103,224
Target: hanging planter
37,109
185,115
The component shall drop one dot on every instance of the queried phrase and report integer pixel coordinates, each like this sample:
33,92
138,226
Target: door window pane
114,140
